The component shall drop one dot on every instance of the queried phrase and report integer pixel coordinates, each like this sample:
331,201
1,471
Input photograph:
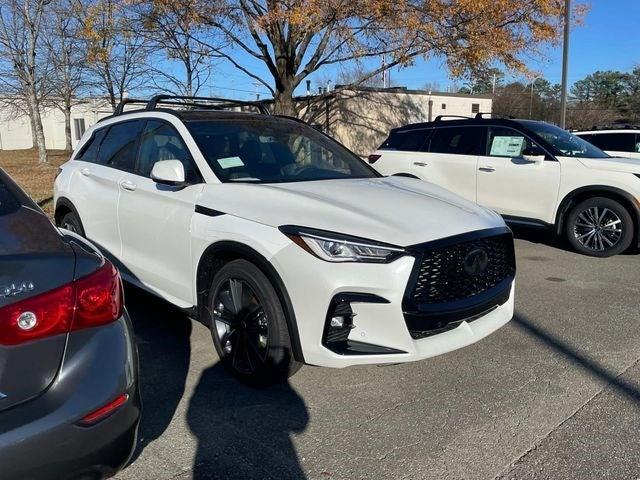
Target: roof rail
440,117
480,115
213,103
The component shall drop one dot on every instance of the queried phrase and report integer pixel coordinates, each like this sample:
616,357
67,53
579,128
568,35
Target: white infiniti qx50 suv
288,246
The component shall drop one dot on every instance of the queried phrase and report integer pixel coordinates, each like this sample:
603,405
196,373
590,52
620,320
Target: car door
513,186
104,159
453,158
155,219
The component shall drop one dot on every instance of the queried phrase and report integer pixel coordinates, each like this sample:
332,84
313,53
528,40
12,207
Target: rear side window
8,203
406,141
619,142
89,152
458,140
118,149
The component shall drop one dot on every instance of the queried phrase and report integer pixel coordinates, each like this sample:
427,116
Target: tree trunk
283,103
36,122
67,128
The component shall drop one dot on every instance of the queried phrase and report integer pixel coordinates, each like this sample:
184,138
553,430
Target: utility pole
533,82
565,63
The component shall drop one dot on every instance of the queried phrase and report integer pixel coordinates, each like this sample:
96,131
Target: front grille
448,285
442,278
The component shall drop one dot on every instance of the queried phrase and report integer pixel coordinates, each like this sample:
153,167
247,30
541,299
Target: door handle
85,171
488,168
128,185
420,164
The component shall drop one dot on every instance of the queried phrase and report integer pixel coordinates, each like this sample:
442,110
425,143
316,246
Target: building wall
15,131
361,120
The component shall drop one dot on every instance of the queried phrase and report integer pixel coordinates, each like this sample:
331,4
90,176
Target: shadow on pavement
542,236
242,432
590,365
163,337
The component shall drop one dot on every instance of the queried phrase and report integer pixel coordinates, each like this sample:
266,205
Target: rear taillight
88,302
373,158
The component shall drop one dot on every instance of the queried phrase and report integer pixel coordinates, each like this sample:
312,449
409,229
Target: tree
66,50
605,89
24,66
173,29
296,38
484,82
116,52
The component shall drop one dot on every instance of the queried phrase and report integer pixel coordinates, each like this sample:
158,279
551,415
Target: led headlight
335,247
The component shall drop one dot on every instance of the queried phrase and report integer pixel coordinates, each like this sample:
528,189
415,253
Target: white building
15,131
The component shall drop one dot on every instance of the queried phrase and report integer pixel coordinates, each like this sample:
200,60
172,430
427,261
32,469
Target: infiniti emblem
476,261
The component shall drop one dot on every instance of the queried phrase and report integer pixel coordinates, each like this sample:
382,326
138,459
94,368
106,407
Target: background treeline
601,98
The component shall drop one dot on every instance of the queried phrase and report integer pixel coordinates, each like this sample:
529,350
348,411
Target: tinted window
8,203
620,142
457,140
118,149
273,151
160,141
506,142
406,141
89,152
567,143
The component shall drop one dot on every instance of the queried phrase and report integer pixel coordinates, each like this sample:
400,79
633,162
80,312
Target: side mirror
534,155
169,172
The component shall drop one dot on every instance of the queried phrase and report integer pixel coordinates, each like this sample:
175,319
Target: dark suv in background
69,402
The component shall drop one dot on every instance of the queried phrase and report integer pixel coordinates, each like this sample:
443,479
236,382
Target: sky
609,39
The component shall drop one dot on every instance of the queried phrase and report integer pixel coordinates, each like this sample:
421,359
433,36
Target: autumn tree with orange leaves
296,38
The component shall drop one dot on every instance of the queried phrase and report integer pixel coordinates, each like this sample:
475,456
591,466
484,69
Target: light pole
565,63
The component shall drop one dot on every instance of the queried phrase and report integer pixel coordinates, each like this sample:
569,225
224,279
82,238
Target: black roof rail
189,101
480,115
440,117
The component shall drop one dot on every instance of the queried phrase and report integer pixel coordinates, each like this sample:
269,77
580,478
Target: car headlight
335,247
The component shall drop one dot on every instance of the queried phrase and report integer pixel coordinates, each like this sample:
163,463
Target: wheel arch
64,206
222,252
579,194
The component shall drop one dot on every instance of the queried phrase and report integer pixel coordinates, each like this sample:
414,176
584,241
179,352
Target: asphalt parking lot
555,394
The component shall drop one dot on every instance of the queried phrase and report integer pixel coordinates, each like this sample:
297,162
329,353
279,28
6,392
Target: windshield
569,144
273,151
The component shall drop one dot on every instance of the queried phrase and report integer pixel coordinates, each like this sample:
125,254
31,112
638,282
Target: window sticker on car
230,162
507,146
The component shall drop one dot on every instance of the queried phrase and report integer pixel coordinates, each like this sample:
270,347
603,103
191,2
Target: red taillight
103,412
88,302
373,158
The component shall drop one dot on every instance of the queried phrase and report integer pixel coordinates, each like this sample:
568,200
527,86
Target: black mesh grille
442,277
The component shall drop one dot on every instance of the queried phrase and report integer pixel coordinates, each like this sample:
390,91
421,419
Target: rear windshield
273,151
8,203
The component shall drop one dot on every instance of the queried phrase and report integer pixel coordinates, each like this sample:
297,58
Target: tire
599,227
71,222
248,326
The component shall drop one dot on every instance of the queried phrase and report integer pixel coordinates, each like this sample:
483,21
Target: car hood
397,210
615,164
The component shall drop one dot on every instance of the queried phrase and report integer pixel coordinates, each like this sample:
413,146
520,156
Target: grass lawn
36,180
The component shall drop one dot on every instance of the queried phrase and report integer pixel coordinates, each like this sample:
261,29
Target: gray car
69,401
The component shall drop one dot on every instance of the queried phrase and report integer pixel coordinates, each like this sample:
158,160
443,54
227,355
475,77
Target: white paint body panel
159,241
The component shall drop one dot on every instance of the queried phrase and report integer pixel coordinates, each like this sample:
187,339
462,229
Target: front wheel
248,325
71,222
599,227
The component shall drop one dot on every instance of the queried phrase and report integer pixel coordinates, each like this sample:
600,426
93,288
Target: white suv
616,141
532,173
288,246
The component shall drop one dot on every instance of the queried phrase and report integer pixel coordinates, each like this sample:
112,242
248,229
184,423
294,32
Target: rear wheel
599,227
71,222
248,325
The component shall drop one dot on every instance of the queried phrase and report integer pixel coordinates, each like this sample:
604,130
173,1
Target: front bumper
41,439
313,283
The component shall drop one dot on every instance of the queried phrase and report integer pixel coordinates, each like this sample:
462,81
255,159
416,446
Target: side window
506,142
457,140
89,152
637,144
118,149
406,141
160,141
618,142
